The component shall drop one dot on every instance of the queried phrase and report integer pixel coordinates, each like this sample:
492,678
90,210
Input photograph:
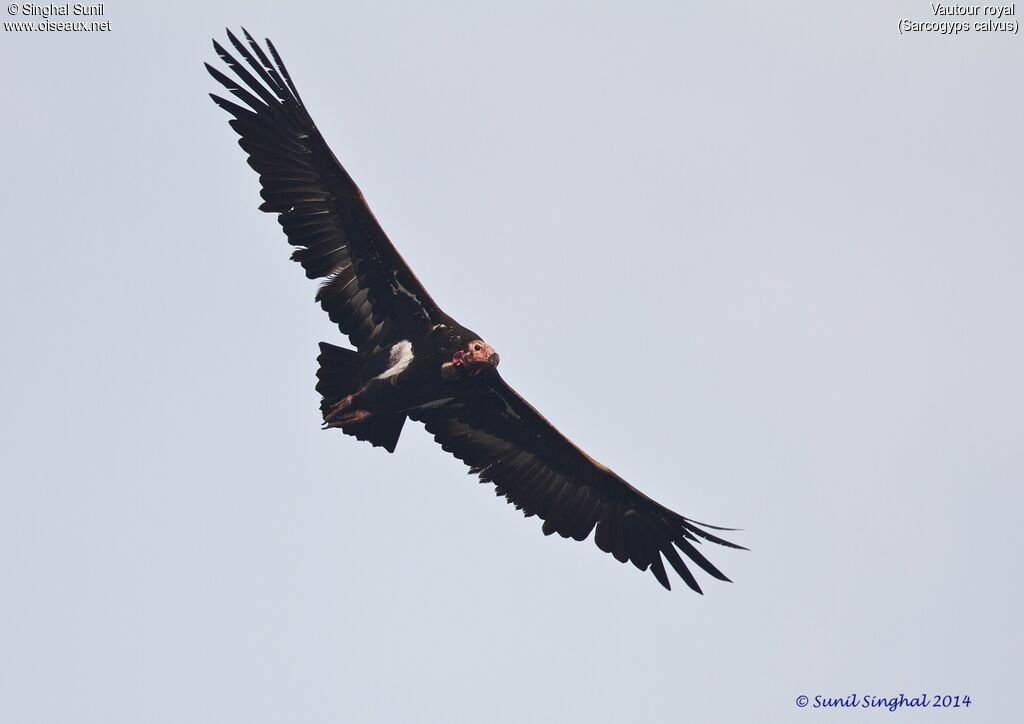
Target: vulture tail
342,372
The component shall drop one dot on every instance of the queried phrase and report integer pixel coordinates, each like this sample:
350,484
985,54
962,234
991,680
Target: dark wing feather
369,290
506,441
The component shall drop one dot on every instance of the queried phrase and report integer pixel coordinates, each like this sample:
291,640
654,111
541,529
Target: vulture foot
349,419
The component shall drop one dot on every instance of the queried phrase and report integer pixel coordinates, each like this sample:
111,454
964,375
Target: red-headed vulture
412,360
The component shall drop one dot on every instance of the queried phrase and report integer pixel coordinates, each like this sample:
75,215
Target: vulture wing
369,290
507,442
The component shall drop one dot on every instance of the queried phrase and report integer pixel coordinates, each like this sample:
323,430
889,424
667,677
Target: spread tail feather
342,372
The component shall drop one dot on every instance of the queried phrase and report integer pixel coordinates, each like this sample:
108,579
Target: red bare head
475,358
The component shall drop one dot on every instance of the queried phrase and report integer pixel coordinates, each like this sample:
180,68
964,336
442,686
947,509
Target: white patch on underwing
399,287
401,356
509,411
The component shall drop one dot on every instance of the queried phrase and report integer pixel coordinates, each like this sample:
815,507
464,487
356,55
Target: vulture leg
340,406
349,419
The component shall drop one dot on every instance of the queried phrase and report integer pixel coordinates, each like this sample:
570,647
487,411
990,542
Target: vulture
411,359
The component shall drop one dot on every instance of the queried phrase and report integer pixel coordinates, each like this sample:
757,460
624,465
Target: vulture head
473,359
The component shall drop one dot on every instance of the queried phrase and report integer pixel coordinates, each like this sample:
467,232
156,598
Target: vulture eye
476,348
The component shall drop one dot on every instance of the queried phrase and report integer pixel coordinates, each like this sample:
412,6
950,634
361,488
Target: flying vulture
414,361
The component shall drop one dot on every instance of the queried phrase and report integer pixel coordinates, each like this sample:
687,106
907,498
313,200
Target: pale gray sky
762,259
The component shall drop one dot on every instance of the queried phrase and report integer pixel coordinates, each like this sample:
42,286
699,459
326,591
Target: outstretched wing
369,291
507,442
